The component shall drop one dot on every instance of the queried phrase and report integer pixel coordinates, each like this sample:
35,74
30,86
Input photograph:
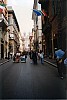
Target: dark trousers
35,60
60,68
42,60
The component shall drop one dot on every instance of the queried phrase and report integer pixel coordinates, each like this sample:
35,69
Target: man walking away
60,65
34,57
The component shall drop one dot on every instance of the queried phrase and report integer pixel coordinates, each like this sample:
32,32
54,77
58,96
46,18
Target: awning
39,12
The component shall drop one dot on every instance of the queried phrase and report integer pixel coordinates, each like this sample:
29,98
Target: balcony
11,36
3,21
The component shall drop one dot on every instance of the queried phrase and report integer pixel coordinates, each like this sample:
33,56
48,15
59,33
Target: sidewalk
51,61
3,61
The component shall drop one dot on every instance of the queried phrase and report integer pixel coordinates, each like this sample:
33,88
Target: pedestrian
34,56
42,57
8,55
65,65
60,65
30,55
11,55
65,62
60,55
38,55
14,58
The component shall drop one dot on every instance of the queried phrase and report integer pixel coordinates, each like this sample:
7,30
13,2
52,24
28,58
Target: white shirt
41,55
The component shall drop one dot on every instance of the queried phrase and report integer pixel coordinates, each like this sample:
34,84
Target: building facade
54,25
13,30
3,29
21,41
58,19
37,27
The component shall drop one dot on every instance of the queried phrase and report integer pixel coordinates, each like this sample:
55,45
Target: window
56,7
53,7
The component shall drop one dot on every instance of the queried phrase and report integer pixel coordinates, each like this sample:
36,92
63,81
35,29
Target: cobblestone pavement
2,61
50,61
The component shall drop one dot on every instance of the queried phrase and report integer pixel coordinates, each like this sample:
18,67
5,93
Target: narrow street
28,81
37,28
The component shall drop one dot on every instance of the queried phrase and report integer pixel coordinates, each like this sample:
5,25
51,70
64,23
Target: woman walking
42,57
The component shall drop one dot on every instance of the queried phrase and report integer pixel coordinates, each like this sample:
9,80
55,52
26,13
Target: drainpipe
52,47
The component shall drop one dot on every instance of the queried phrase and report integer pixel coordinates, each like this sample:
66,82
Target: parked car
23,58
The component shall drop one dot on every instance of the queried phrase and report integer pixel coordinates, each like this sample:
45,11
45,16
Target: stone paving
2,61
50,61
